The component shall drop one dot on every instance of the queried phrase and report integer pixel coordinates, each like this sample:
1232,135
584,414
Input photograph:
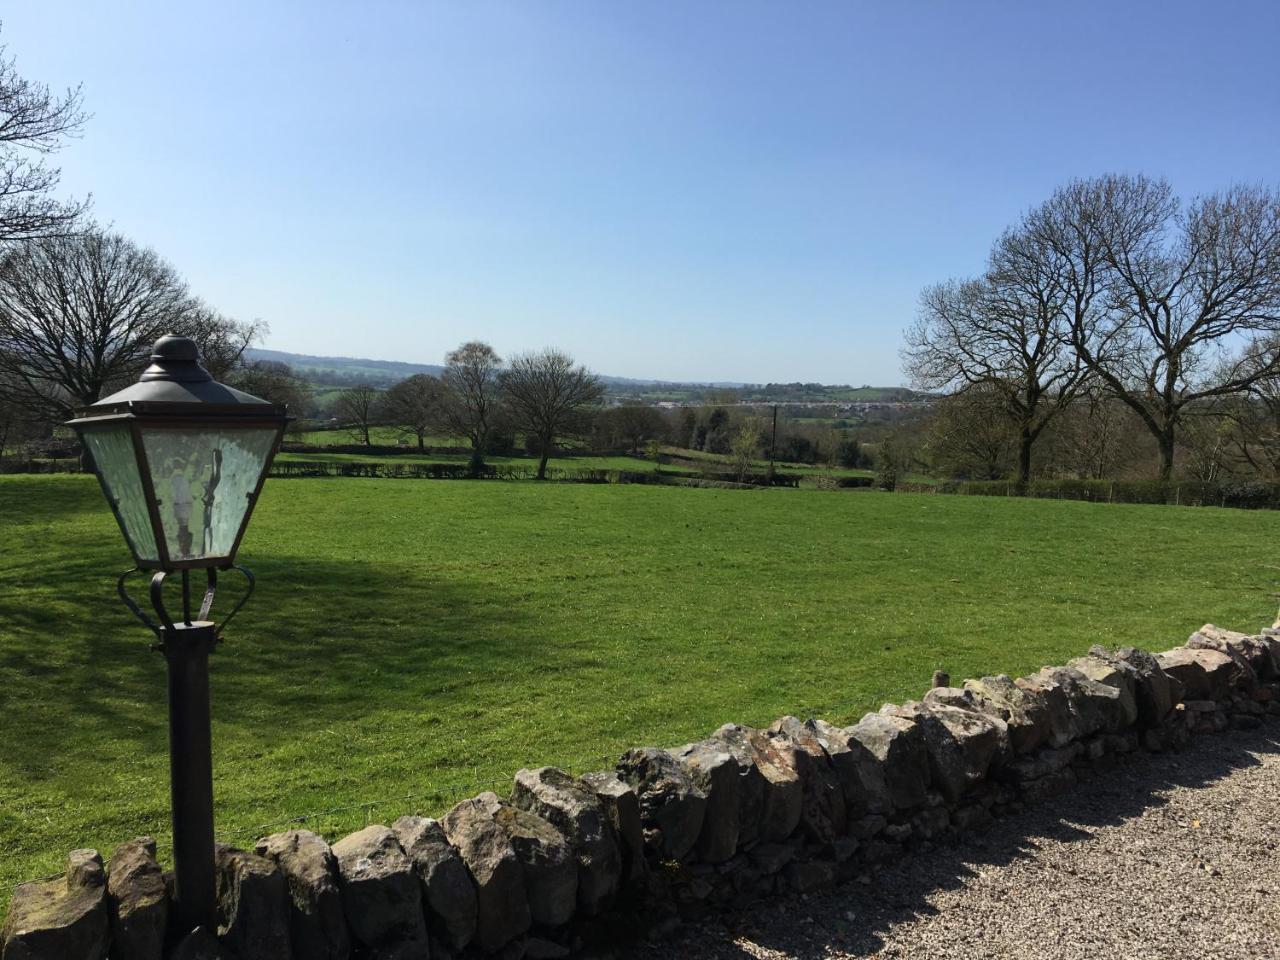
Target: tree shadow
855,918
318,641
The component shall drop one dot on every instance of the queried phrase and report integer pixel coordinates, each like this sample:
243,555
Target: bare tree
632,424
414,405
222,340
358,406
1094,436
1253,421
79,314
1173,289
34,123
970,435
546,396
1006,335
473,393
274,381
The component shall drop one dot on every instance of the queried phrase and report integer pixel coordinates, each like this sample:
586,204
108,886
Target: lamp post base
186,647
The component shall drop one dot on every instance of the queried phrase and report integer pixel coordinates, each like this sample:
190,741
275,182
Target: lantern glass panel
117,465
203,479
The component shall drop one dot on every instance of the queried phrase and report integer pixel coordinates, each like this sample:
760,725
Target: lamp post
181,459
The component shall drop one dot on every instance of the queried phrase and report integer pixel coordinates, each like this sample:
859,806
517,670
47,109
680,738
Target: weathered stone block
316,924
381,896
782,795
65,918
1095,706
448,893
138,901
671,806
1051,694
622,809
571,807
1024,710
253,908
717,774
860,774
549,867
502,907
1116,674
962,744
1204,674
1250,654
899,761
1043,763
822,813
1153,692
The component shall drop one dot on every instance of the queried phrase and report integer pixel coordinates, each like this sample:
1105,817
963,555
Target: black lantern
181,459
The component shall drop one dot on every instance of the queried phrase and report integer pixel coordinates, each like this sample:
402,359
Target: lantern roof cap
176,376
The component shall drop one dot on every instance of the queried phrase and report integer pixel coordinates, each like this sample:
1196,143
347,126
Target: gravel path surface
1169,856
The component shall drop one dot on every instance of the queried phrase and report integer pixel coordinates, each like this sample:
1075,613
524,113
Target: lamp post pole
186,647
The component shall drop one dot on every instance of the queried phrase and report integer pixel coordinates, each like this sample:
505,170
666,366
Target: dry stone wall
566,864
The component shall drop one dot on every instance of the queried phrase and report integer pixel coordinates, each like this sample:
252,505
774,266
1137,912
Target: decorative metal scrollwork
163,622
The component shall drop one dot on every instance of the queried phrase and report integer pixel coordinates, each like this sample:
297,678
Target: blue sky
722,191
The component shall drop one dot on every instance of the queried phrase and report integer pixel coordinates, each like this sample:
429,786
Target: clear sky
722,191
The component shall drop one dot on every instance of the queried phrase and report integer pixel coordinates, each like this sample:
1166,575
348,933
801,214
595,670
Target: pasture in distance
416,639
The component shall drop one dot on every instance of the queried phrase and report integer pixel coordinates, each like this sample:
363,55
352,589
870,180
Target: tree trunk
1025,440
1165,441
422,442
542,463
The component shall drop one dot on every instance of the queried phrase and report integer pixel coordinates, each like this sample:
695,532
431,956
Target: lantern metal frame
176,416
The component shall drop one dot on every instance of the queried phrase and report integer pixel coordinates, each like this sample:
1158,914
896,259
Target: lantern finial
177,360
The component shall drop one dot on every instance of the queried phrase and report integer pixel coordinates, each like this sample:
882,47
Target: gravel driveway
1170,856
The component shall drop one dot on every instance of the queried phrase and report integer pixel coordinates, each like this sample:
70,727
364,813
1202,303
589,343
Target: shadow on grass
319,641
854,919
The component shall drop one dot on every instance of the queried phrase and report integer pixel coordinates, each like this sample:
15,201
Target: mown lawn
421,639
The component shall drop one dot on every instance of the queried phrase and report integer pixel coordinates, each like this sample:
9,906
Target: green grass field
420,639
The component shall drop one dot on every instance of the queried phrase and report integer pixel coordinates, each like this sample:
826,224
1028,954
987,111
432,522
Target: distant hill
348,371
379,373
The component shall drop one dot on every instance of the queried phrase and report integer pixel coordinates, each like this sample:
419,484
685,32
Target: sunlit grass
418,637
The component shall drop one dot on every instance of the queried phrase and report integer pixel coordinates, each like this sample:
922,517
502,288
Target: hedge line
1246,494
460,471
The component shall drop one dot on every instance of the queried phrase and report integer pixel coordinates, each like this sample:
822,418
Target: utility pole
773,440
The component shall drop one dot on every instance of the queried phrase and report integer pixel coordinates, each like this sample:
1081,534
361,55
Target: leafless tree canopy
79,314
1005,335
970,435
546,396
357,408
473,395
34,123
275,382
414,405
1183,300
